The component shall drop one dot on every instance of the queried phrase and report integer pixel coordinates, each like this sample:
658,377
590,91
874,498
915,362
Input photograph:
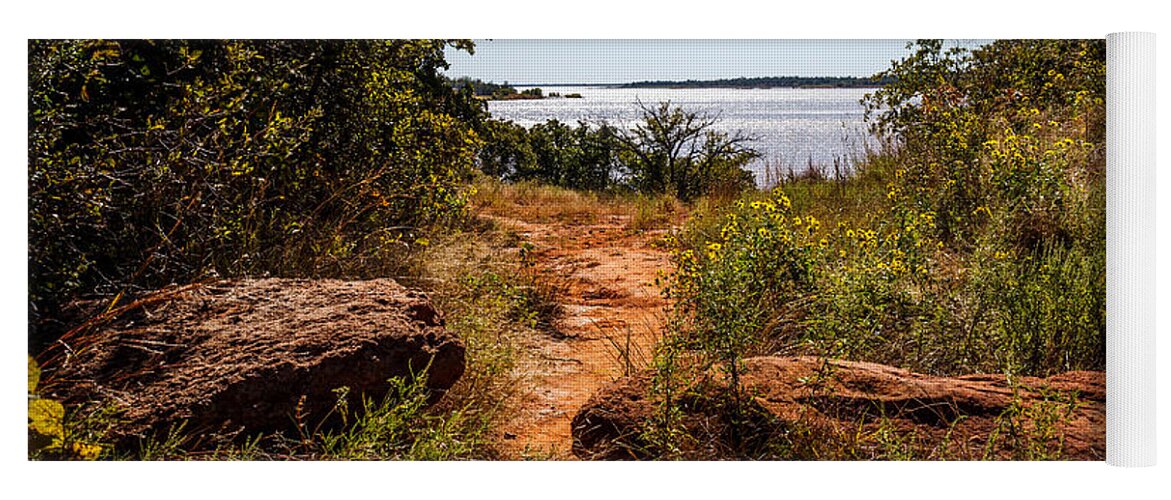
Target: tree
506,150
678,152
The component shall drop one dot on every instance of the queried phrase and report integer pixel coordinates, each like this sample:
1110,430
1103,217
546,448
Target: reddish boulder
811,408
258,354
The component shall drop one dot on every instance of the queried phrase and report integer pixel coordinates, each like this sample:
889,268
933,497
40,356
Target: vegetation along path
611,313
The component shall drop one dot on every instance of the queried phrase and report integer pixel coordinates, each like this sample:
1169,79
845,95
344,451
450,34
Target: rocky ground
813,408
255,354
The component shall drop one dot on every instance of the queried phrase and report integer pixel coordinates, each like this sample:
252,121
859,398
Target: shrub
677,152
152,162
581,157
506,150
1021,98
973,243
1046,311
672,152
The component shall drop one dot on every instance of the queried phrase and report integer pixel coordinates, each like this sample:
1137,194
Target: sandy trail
610,304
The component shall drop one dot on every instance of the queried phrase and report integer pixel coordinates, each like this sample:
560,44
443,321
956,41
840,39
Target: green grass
400,426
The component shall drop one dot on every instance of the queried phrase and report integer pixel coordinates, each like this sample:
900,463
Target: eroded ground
612,313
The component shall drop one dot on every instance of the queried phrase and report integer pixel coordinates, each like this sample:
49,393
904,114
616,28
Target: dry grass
633,355
491,300
536,202
541,203
647,212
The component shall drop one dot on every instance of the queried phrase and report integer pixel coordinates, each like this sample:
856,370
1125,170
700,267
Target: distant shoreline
766,83
793,82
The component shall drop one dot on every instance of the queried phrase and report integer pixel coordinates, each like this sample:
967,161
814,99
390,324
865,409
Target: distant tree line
496,91
767,82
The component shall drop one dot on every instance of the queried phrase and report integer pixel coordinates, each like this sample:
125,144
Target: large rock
808,407
258,354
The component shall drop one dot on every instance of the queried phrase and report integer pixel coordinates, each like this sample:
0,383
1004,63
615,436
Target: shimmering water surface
792,128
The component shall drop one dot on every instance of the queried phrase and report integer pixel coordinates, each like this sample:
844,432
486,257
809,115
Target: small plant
664,434
1032,432
170,445
652,212
893,444
400,427
52,432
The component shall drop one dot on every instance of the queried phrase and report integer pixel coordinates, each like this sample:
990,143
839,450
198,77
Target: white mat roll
1130,249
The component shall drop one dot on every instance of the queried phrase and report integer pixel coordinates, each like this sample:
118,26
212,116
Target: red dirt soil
610,304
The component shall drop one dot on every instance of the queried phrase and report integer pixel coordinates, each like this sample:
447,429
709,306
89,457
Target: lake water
793,128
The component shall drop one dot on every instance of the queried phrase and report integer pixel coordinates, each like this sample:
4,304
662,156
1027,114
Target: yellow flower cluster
713,250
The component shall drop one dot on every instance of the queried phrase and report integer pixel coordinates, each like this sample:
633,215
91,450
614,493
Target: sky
623,61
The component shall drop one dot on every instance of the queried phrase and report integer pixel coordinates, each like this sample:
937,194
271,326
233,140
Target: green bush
1031,101
974,242
153,162
678,152
581,157
506,150
1046,311
672,151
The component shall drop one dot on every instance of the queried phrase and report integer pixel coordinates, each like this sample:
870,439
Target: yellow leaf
44,420
85,451
34,375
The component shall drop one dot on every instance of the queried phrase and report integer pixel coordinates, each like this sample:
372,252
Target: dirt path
610,305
